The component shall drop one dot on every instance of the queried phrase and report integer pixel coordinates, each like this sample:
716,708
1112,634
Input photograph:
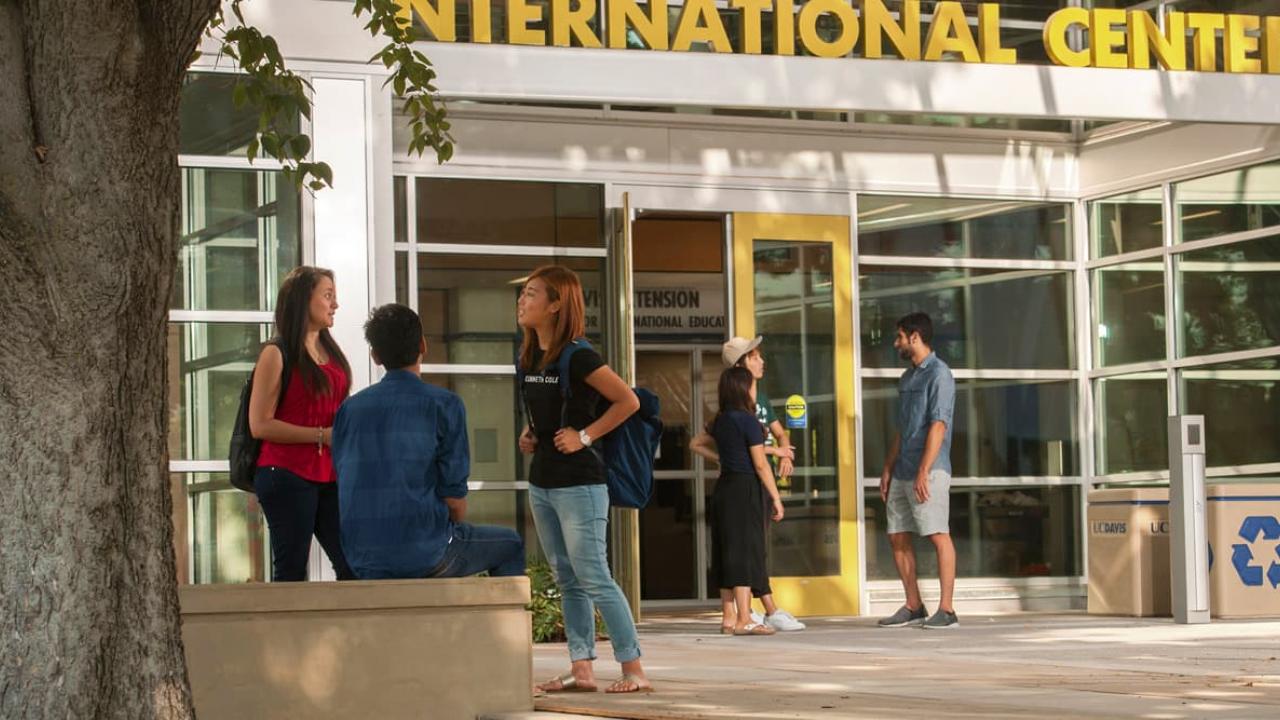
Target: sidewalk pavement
1010,666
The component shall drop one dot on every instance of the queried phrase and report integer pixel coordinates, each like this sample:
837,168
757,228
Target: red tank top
300,407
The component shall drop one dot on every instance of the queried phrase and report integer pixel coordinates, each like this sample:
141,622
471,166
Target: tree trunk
89,202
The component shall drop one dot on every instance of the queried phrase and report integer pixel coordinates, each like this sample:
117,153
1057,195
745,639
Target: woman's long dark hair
293,309
735,391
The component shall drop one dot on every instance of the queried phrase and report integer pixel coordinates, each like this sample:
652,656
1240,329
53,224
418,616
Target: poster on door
671,306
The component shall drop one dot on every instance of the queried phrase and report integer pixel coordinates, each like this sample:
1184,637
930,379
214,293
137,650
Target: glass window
229,541
401,203
668,538
1228,297
998,532
1245,199
240,237
505,508
487,287
494,421
209,122
1131,321
1003,428
1127,223
1132,426
208,365
1013,319
955,228
1241,407
503,212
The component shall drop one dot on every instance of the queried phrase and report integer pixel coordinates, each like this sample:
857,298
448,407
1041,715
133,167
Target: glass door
792,286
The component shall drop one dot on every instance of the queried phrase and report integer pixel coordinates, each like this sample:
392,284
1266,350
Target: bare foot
630,684
567,683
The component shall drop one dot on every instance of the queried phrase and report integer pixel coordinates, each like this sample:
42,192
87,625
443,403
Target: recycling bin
1244,550
1128,536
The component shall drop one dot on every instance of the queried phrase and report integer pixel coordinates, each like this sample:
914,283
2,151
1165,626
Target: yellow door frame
832,594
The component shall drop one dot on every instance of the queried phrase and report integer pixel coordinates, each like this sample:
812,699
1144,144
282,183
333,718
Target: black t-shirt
735,433
552,468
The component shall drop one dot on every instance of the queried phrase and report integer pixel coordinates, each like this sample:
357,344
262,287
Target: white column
344,227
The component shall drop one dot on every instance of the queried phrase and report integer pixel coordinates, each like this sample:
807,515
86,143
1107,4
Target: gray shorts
931,517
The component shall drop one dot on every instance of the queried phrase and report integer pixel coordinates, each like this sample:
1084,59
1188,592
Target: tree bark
89,203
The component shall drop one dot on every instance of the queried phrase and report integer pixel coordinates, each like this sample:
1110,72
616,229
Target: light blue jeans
572,523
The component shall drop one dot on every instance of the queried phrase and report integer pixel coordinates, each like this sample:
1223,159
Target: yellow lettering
699,22
950,33
814,43
651,28
989,34
569,23
1205,27
1105,36
1237,43
1271,56
752,13
879,25
439,18
1170,47
519,14
784,20
481,23
1056,31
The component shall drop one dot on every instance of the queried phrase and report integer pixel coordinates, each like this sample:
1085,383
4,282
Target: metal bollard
1189,540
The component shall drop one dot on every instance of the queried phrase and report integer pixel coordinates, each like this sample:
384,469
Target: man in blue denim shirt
916,482
402,457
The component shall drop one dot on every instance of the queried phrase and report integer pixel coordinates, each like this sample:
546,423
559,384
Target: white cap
733,351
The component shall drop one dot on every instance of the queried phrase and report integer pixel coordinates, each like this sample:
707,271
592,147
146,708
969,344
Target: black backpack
244,450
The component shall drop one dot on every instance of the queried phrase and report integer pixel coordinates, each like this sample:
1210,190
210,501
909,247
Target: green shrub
548,615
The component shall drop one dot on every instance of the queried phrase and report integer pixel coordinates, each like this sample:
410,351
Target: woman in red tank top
295,479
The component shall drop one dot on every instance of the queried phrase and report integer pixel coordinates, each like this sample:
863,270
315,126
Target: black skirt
737,532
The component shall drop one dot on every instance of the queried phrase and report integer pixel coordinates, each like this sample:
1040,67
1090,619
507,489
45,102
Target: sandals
755,629
635,685
568,683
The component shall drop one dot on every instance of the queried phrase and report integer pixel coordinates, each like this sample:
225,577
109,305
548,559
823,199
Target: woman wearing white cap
741,352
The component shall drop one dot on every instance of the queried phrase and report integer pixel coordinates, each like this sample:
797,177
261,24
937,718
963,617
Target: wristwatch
584,438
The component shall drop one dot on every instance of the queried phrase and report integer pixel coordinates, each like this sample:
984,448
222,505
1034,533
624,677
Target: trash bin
1244,550
1128,536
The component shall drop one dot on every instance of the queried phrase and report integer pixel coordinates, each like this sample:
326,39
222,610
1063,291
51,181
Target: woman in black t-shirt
567,491
735,439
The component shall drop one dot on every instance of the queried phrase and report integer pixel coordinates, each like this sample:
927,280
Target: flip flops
568,683
755,629
635,683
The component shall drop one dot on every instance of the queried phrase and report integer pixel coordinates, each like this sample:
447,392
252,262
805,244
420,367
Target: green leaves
412,76
282,97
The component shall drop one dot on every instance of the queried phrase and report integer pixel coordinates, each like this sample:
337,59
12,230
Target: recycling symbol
1253,528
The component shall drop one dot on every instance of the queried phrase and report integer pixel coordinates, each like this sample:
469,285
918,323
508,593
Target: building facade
1094,237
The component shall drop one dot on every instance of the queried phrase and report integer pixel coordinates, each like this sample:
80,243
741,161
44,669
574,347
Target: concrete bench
439,649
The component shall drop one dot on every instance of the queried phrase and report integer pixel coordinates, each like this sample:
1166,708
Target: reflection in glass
1131,426
504,212
667,374
468,303
1003,428
668,541
228,532
1241,407
1235,201
209,121
208,365
1127,223
505,508
1228,297
956,228
1131,322
1011,319
494,421
998,532
239,239
794,313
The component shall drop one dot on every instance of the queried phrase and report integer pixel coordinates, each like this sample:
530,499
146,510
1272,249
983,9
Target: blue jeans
572,524
296,509
477,548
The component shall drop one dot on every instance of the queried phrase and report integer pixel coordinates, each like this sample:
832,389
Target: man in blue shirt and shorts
916,482
401,453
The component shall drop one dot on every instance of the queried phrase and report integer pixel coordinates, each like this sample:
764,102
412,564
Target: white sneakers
782,621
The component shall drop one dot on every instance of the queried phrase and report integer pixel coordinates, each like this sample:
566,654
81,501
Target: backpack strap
285,370
566,389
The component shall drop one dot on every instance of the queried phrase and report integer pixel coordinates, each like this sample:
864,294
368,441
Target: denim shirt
926,394
399,447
